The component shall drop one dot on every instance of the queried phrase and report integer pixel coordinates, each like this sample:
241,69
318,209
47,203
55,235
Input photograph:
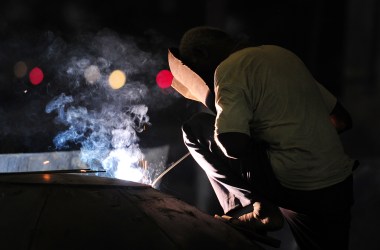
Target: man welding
269,142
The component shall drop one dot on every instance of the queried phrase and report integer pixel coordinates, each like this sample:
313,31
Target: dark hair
200,37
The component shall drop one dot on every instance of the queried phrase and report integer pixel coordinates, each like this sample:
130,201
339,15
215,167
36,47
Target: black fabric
320,219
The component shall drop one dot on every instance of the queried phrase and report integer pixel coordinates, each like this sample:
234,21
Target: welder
269,139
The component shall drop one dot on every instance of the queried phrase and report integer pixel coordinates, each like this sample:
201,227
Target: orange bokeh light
117,79
46,177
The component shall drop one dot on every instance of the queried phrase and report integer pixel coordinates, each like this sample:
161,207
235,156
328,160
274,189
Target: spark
46,177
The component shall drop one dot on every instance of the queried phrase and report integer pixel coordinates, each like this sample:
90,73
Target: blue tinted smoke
104,123
105,136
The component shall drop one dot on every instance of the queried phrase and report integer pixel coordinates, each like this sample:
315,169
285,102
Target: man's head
203,48
193,64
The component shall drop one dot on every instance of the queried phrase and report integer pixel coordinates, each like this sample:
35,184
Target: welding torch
170,168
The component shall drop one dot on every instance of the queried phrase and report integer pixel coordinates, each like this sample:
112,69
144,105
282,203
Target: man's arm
233,144
340,118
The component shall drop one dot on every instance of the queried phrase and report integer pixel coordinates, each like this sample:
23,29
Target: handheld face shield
188,83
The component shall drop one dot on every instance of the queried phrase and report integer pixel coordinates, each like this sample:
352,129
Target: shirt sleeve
328,98
233,110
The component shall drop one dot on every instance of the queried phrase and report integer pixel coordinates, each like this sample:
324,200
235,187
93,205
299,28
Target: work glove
264,217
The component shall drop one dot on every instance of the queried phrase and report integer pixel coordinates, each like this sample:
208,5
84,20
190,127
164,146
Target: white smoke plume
102,122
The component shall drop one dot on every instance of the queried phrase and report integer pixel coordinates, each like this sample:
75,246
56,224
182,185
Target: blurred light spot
46,162
20,69
117,79
46,177
36,76
92,74
164,79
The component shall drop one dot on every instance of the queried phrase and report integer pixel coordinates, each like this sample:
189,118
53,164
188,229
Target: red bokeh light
164,79
36,76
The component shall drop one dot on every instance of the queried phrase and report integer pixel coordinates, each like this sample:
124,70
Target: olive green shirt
268,93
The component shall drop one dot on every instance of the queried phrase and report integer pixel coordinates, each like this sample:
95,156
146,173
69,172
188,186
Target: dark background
337,40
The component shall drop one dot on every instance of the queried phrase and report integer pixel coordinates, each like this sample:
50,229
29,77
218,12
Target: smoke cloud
108,136
103,122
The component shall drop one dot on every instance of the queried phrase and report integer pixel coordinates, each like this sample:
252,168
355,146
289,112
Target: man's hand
265,217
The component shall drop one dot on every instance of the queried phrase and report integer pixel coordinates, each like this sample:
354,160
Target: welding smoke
75,108
108,136
102,121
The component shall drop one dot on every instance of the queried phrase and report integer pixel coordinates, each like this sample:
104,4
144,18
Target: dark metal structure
41,211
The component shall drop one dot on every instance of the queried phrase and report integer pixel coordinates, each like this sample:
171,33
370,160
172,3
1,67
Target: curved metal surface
74,211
